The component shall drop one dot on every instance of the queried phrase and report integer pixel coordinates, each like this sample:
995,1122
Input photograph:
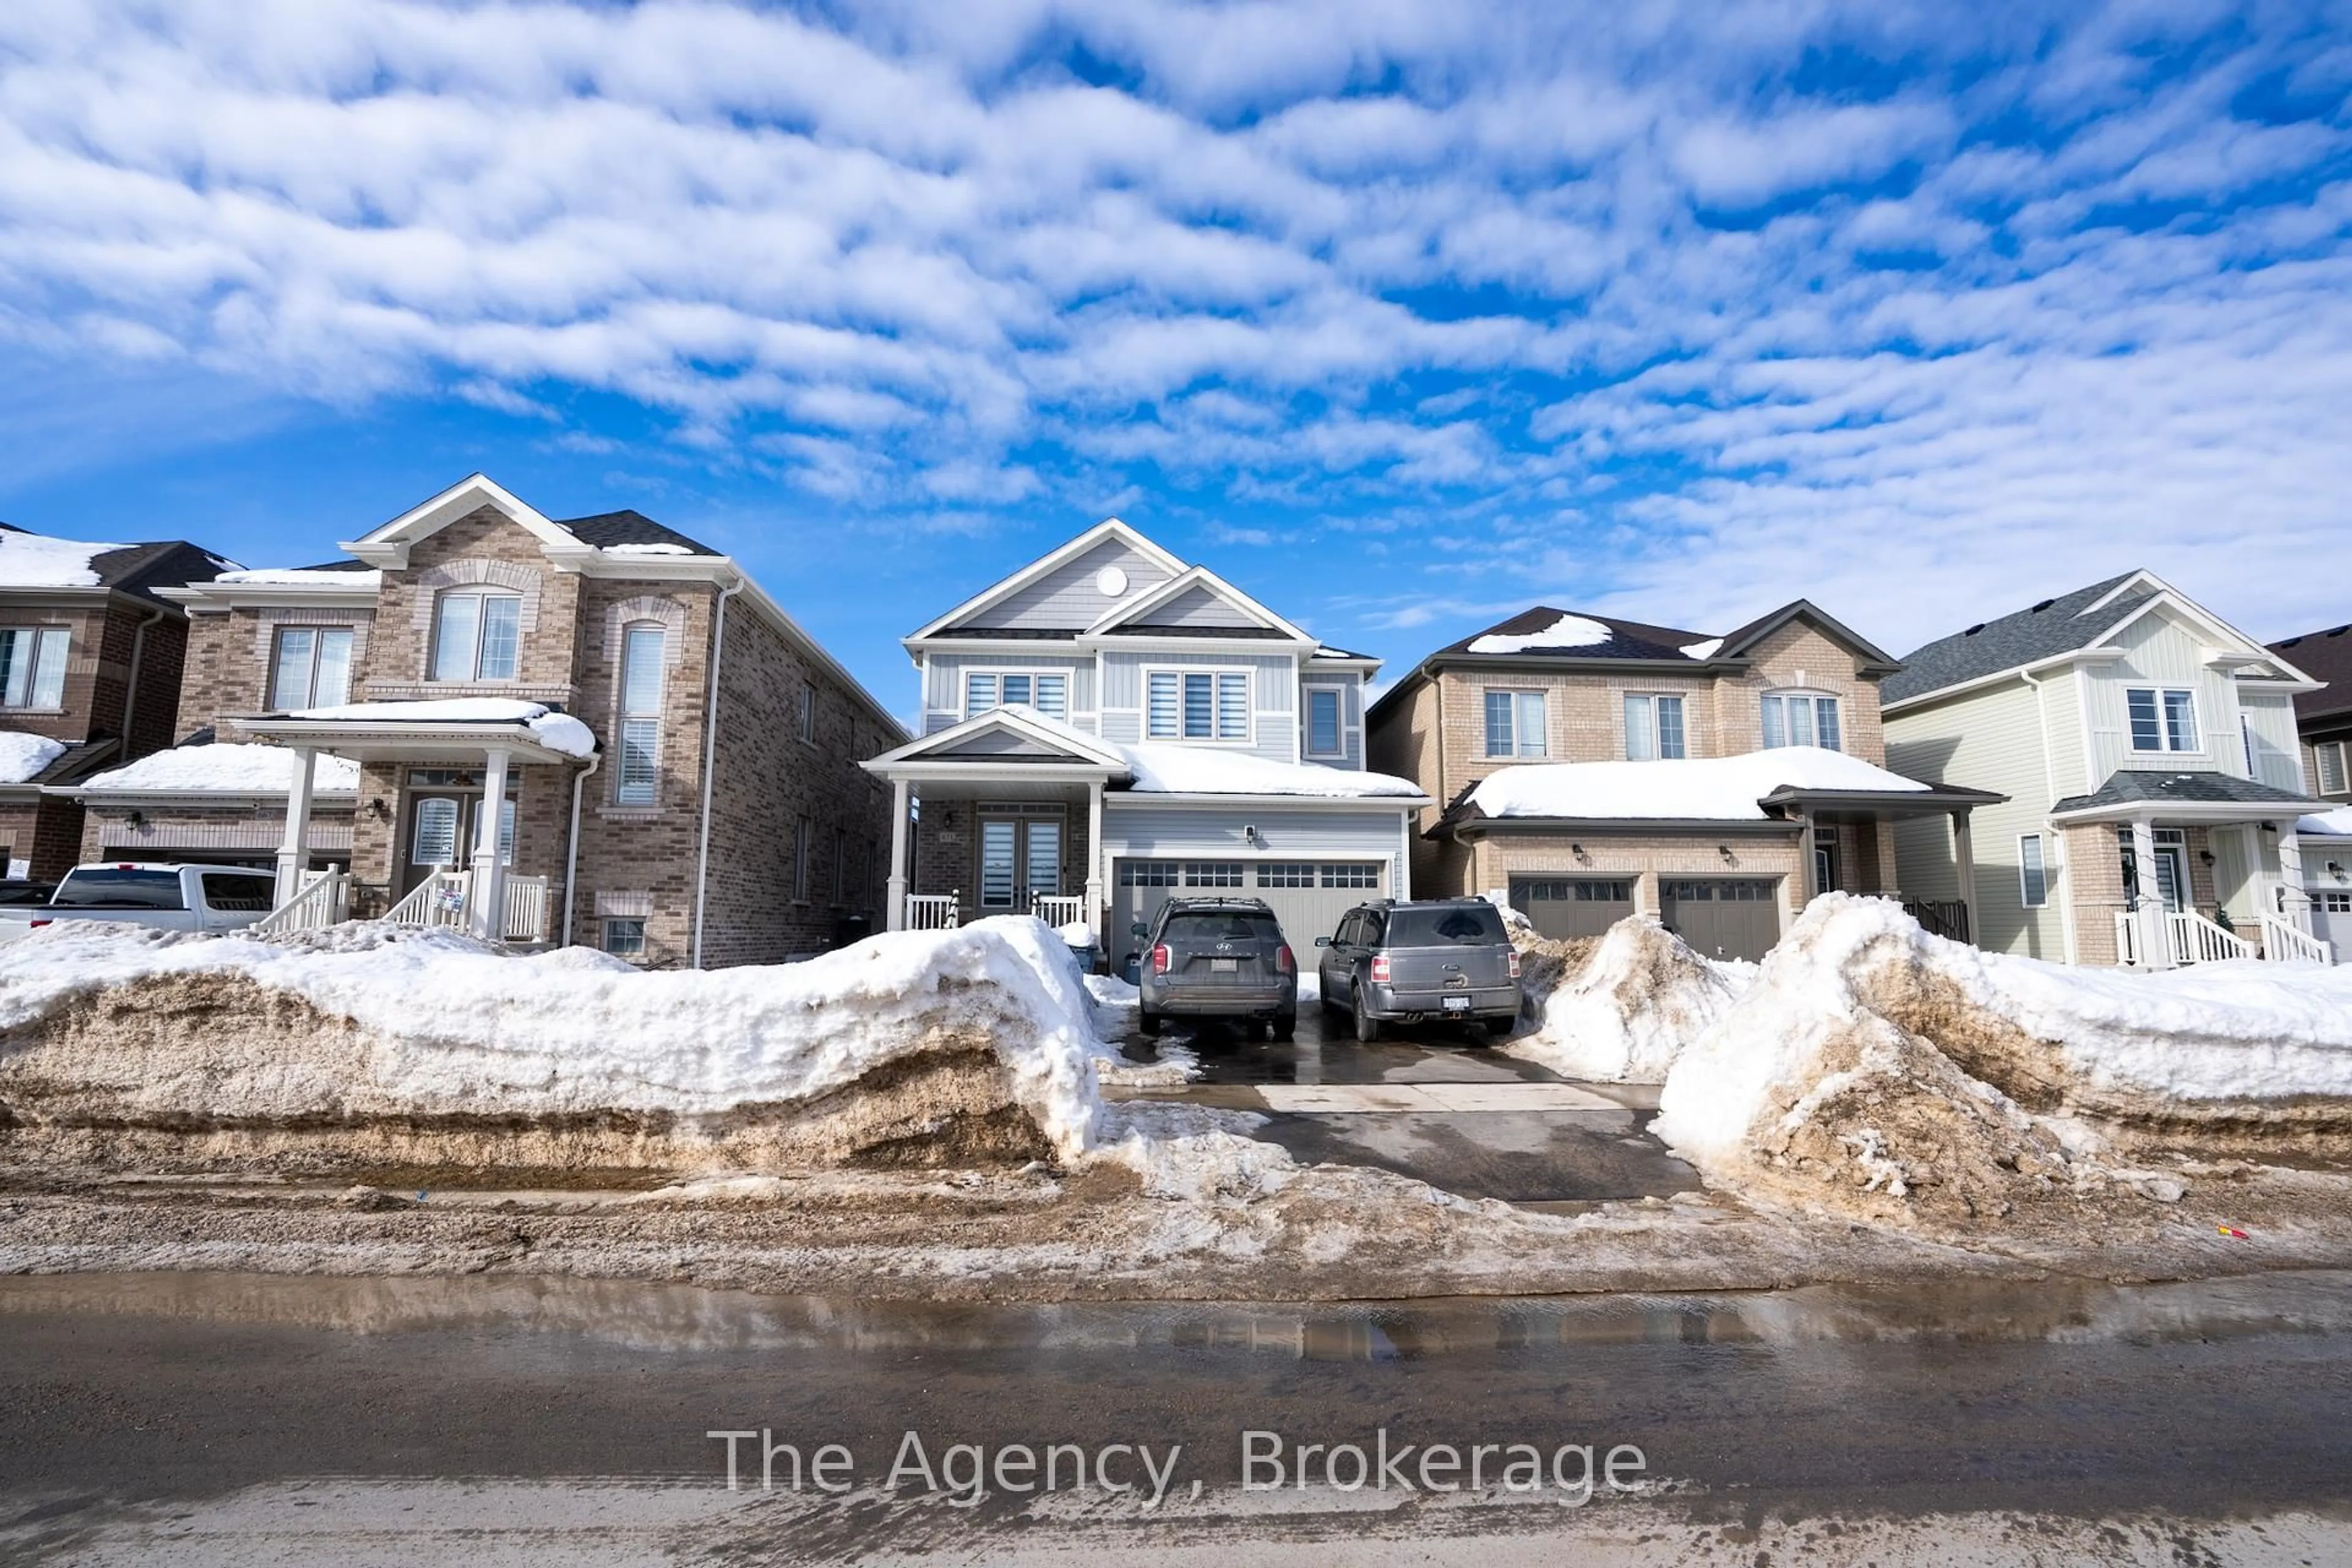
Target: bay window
1802,719
476,635
32,666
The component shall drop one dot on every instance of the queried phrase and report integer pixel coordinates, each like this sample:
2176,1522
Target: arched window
476,634
642,646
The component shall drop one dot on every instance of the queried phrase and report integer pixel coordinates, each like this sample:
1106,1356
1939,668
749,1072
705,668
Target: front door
2171,867
443,827
1020,858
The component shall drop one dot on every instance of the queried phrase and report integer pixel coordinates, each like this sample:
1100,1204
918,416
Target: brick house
1594,768
675,758
2149,752
91,660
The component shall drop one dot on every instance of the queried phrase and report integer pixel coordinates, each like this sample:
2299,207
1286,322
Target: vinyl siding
1066,599
1288,832
943,673
2162,652
2278,754
1352,723
1197,607
1274,727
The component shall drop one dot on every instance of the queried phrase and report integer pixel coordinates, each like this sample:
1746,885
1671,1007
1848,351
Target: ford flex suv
1402,963
1218,958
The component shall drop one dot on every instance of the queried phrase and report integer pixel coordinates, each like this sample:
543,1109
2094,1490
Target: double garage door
1720,917
1306,896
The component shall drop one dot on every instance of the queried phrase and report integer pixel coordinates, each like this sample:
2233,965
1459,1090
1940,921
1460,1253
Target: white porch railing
2189,936
324,900
932,912
439,901
2285,941
526,911
1059,908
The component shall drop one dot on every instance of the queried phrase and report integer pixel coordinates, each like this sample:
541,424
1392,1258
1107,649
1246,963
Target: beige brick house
89,677
675,759
1592,768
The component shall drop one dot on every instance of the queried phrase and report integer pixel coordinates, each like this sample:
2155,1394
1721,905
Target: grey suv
1401,964
1218,958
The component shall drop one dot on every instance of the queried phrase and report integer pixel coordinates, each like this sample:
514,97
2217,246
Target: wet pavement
236,1418
1436,1102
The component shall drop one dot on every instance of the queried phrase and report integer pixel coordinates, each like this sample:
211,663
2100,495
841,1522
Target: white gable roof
388,545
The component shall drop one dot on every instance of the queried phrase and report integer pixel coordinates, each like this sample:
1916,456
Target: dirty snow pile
1620,1008
1869,1058
102,1022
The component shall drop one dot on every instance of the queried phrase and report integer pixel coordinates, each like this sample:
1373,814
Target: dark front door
1724,916
441,822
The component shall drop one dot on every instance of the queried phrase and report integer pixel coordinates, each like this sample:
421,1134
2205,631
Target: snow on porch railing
1059,908
932,912
2284,940
324,900
438,900
526,909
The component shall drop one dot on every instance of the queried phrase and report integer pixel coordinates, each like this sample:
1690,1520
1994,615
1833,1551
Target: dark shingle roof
1627,639
2044,631
2138,786
607,529
346,564
2323,655
141,569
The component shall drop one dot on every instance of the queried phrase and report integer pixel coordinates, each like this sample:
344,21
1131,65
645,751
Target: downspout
2050,796
130,691
571,855
709,759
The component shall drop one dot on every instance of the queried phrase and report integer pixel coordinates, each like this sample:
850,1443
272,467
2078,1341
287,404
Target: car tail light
1159,958
1285,961
1515,964
1380,969
36,925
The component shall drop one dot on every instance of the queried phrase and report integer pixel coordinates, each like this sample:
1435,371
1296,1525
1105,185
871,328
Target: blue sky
1402,316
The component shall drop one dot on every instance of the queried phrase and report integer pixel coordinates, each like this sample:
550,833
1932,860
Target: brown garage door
1572,906
1724,916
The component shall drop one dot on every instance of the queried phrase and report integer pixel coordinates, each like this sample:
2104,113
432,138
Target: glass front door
443,829
1019,858
2171,867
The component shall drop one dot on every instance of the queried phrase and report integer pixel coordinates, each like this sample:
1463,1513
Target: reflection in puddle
674,1318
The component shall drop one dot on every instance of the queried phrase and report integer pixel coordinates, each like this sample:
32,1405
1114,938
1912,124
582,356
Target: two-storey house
2148,751
1595,768
1110,726
592,730
2324,719
90,676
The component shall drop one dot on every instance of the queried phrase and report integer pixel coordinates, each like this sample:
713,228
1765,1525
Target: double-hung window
1206,705
1048,692
1653,728
1324,737
32,666
2163,718
476,635
312,668
1514,724
1802,719
642,648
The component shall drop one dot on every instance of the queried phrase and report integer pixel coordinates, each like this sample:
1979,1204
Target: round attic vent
1110,582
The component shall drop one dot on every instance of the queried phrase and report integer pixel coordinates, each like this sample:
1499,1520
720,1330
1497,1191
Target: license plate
1457,1003
1224,965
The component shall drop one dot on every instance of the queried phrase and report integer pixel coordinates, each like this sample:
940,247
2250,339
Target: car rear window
238,890
120,890
1221,927
1464,925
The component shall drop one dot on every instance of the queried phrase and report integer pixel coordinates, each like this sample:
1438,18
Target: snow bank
556,731
1869,1058
22,756
37,560
1199,770
1713,789
223,768
1622,1007
936,1036
1569,631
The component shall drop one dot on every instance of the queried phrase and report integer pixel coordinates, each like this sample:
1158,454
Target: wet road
199,1417
1436,1102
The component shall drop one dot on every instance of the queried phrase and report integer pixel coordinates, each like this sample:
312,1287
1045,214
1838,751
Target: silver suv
1218,958
1402,963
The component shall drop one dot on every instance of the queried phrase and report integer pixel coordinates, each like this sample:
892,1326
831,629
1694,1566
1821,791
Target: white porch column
1094,915
2295,903
2147,907
1964,852
294,849
1806,878
894,918
487,912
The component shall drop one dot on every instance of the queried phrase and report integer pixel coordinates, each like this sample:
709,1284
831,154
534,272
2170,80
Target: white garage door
1306,896
2331,920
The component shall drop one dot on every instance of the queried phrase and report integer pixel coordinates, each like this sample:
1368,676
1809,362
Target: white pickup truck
167,898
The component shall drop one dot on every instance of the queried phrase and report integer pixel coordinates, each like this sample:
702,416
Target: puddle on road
683,1319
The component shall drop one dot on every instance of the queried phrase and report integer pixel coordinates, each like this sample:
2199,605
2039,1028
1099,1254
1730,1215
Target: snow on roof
1569,631
1705,789
305,577
2327,824
556,731
223,768
647,548
37,560
23,756
1704,650
1197,770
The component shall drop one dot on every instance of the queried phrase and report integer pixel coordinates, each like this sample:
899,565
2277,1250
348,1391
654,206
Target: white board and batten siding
2270,737
1290,835
1274,696
2159,651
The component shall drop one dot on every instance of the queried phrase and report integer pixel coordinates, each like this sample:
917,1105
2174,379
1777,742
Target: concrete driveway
1432,1101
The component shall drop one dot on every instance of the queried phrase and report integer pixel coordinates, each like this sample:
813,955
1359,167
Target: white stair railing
526,912
324,900
438,901
2127,937
2285,941
933,911
1059,908
2196,940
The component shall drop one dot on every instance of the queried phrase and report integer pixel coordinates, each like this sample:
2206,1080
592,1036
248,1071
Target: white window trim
997,672
484,592
2163,729
623,715
2342,752
1338,690
36,634
2042,846
1485,749
1811,694
1248,740
276,700
1625,737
